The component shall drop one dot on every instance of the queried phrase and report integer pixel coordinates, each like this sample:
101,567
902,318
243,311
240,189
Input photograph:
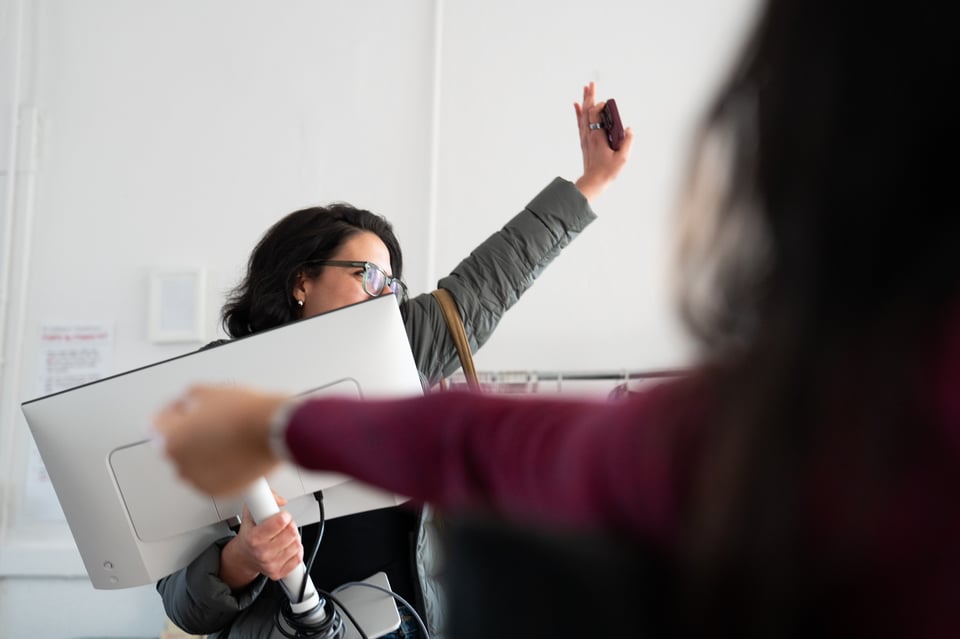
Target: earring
300,303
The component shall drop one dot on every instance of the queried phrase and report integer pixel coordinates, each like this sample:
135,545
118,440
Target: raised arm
492,278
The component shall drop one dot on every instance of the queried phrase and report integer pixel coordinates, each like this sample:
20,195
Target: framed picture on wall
176,306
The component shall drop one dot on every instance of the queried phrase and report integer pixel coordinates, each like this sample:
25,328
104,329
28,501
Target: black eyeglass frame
398,288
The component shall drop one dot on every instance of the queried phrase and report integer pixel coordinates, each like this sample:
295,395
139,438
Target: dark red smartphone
610,117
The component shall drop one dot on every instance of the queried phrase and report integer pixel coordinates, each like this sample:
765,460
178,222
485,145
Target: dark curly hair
264,299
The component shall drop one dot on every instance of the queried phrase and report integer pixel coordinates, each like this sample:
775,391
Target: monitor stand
375,611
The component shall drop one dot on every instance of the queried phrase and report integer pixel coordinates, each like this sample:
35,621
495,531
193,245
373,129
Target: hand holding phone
610,118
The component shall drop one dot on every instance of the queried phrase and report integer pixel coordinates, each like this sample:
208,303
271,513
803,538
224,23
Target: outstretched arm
583,463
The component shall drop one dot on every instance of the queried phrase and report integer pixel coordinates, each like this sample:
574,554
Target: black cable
316,543
293,625
340,605
332,627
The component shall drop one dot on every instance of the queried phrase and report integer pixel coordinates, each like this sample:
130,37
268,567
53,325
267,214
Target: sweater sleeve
580,463
494,276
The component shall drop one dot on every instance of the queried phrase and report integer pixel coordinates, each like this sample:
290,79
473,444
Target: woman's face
339,286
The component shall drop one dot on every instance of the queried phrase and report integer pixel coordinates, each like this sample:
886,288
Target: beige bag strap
455,324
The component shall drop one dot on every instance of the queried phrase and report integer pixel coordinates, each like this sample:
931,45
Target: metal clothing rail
529,381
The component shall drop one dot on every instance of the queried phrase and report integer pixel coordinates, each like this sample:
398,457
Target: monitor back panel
133,519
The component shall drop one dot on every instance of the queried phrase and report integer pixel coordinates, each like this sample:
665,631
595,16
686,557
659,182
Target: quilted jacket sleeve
198,601
494,276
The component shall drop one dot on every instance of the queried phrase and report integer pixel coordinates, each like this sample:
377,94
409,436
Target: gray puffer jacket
495,275
484,285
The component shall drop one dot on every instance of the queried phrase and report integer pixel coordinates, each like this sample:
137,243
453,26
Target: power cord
293,625
296,625
332,627
316,542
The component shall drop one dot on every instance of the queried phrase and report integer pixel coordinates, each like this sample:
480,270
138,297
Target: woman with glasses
323,258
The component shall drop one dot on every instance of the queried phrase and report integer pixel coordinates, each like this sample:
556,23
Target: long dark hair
820,293
264,299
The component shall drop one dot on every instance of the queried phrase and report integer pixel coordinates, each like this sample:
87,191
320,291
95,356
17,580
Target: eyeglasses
374,280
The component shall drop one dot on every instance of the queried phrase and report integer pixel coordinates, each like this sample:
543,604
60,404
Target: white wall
172,133
510,73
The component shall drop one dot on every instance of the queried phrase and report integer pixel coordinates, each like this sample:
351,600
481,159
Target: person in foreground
804,476
323,258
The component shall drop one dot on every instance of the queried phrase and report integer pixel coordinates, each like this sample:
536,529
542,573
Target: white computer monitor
134,521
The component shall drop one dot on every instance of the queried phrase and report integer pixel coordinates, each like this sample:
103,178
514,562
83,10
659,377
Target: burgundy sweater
626,466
